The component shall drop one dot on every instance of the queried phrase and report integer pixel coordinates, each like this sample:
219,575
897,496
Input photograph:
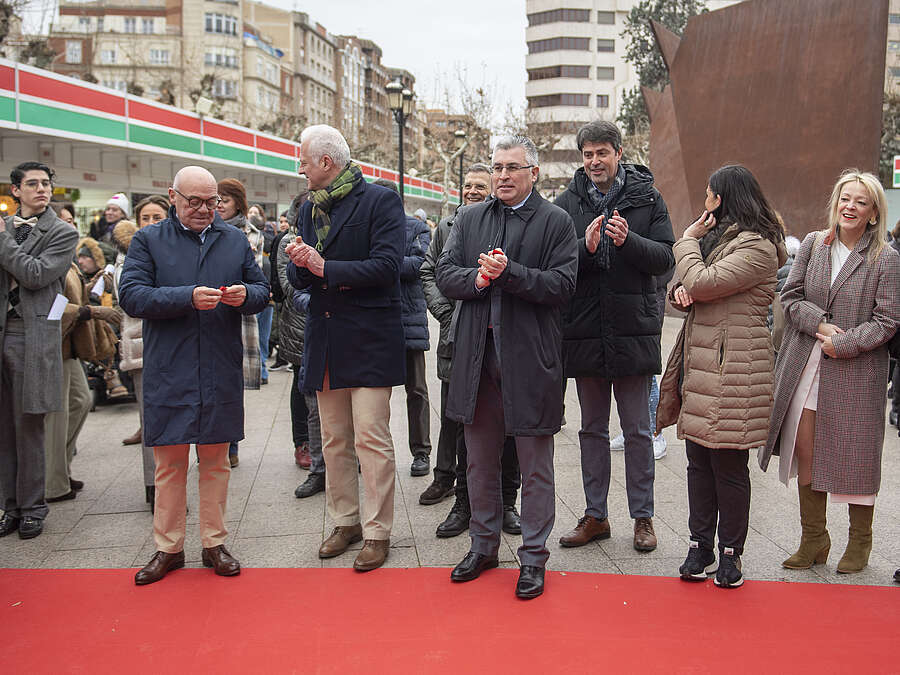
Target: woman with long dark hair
718,381
841,307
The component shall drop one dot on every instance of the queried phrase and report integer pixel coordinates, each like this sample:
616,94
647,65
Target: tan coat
864,301
724,352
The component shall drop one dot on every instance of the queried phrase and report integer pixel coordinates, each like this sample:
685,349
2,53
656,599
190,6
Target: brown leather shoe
340,539
644,536
373,554
135,438
221,561
160,565
587,530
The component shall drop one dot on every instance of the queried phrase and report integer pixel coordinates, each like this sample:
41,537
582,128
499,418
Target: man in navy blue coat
350,247
191,277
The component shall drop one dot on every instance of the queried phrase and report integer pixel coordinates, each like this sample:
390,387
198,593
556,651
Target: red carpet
416,621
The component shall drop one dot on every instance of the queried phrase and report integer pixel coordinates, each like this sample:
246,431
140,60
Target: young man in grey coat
36,250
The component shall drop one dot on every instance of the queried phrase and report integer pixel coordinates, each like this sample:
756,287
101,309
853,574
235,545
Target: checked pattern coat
865,302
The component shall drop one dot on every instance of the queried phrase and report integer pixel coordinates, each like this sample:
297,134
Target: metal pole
460,177
400,119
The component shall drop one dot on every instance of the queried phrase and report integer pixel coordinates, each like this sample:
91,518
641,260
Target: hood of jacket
638,182
90,245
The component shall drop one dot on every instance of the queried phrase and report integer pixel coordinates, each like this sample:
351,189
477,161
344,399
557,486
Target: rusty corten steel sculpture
791,89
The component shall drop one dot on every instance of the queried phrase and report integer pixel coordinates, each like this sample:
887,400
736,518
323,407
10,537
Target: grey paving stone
115,557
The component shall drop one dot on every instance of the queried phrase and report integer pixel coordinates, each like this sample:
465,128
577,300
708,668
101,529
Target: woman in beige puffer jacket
718,381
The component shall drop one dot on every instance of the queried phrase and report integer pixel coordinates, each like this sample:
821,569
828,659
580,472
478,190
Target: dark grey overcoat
865,302
539,241
39,265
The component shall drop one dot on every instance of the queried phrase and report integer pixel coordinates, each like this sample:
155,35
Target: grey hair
321,140
510,142
478,167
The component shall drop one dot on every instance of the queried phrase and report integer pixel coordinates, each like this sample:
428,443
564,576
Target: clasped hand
616,229
304,255
490,266
824,333
206,298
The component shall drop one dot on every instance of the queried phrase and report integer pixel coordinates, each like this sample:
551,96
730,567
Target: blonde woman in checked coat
841,306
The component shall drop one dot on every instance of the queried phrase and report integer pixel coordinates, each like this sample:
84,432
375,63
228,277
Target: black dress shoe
531,582
8,524
472,566
314,484
435,492
512,523
30,527
897,576
222,562
419,465
76,485
456,522
158,567
69,495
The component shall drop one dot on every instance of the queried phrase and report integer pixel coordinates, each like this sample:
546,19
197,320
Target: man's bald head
194,184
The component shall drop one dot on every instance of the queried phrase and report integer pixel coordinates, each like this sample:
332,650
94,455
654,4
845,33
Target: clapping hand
304,255
490,266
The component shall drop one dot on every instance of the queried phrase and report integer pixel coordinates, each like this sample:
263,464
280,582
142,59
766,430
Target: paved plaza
109,524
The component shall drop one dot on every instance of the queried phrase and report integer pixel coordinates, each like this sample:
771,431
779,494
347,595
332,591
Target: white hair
321,140
510,142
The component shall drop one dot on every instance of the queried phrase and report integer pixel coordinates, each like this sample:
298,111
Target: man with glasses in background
191,277
512,263
36,250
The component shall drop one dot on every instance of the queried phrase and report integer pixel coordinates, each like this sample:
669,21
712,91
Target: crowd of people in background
182,304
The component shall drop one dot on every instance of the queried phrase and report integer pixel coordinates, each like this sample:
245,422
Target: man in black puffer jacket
612,329
415,332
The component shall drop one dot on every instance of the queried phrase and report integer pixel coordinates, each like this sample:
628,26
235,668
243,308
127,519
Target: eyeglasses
195,202
510,168
32,184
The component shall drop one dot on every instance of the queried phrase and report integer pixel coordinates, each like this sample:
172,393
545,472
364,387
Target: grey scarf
603,205
238,220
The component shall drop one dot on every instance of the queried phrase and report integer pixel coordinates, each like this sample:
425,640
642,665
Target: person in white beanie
117,208
421,215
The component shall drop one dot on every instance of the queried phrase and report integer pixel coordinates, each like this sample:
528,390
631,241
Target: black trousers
418,411
299,412
718,490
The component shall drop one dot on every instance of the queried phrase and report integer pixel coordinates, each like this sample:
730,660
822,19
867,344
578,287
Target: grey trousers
484,440
149,461
315,434
418,412
21,435
61,429
631,401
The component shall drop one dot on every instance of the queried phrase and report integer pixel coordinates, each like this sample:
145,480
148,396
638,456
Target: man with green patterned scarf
348,253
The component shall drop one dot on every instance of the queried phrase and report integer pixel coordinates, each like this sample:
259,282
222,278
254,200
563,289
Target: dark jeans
718,489
299,412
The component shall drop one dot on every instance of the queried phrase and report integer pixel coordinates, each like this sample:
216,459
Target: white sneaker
618,443
659,447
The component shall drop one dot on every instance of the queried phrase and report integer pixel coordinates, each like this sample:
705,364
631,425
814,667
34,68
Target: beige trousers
171,495
358,417
61,429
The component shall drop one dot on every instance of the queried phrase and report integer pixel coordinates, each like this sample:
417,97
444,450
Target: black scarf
603,205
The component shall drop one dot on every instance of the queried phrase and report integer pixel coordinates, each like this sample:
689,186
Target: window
130,24
84,23
608,18
602,100
121,85
221,23
894,45
555,15
578,100
99,24
73,51
895,72
894,18
553,44
225,88
159,57
147,26
559,71
606,45
108,56
221,56
606,73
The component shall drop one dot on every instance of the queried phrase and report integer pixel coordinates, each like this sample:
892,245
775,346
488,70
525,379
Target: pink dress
806,397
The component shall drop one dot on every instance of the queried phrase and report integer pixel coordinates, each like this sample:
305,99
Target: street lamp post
460,138
400,102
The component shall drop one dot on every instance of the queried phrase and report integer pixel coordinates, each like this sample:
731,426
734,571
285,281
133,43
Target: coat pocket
723,349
